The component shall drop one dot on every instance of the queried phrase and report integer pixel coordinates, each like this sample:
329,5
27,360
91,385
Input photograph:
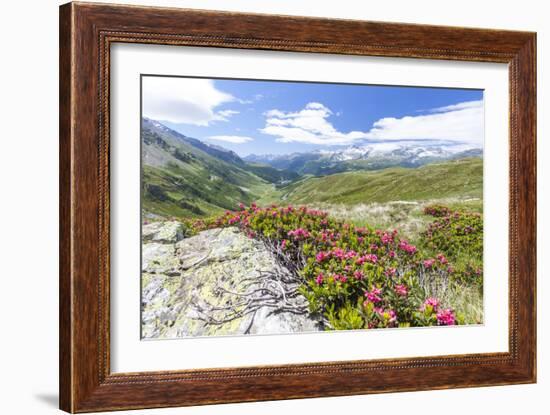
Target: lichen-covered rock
210,271
162,232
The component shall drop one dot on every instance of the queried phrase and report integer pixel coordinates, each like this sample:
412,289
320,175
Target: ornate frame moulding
86,33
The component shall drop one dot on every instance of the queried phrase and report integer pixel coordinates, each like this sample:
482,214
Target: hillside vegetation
462,178
183,177
180,178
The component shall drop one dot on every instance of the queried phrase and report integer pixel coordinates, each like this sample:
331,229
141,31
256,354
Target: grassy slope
460,178
390,198
191,182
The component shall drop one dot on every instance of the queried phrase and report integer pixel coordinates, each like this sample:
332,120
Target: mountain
293,162
183,176
215,151
456,178
373,156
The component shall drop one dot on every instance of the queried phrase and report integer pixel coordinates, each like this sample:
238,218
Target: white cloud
235,139
459,123
225,115
255,98
462,122
184,100
459,106
310,125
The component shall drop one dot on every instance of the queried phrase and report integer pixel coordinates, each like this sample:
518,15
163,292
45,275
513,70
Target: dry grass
405,216
463,299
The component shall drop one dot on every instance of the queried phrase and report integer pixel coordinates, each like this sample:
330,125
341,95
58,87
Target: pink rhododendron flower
441,258
390,272
372,258
386,239
319,279
350,254
340,277
338,253
428,263
408,248
321,256
374,295
389,315
358,275
401,290
446,317
283,244
431,301
299,233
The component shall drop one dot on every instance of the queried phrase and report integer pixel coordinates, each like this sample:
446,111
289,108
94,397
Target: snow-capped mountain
367,156
412,151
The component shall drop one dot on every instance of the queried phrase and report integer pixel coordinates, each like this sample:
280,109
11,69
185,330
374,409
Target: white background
29,238
129,354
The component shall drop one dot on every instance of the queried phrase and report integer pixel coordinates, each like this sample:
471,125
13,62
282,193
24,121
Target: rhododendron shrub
437,211
353,277
459,236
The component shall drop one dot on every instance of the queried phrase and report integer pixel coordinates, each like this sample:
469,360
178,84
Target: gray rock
163,232
189,283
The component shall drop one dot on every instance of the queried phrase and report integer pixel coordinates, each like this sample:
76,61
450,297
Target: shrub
437,210
352,277
459,235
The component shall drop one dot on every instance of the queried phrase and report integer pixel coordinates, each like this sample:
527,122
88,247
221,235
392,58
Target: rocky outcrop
215,283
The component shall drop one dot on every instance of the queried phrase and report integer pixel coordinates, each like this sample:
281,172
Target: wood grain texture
65,247
86,33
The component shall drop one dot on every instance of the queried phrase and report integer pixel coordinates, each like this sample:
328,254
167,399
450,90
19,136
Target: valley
185,178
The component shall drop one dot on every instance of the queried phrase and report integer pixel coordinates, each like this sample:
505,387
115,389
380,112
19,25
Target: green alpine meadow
283,207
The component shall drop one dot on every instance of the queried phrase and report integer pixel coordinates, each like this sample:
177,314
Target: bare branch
276,290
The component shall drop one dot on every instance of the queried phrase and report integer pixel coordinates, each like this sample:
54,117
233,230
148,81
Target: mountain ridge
365,157
184,177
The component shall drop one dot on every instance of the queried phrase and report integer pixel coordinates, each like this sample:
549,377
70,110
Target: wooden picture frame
86,33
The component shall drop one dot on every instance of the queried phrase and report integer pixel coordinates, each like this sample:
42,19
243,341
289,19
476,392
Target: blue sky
272,117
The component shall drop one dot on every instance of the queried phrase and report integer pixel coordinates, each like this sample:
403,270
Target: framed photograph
260,207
